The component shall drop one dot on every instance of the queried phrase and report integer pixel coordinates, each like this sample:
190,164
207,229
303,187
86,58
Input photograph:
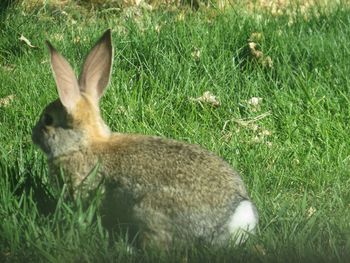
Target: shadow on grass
25,181
5,4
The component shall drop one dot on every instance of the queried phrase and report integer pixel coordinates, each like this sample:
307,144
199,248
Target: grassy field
282,119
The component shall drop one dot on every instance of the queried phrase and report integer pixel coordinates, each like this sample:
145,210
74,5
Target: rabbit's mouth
37,138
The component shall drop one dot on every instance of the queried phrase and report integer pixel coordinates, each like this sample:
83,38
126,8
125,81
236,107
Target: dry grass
275,7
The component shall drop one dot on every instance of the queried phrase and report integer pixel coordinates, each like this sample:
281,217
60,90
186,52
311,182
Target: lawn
280,115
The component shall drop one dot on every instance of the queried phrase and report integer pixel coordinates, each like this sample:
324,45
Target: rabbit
162,190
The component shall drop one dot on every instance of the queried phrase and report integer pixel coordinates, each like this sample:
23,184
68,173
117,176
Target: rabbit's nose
36,134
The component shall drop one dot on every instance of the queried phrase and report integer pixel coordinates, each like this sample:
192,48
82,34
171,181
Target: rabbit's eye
47,119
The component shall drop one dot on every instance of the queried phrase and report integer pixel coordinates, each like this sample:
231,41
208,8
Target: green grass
298,175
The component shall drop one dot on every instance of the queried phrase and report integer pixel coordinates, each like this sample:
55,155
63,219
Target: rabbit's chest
78,173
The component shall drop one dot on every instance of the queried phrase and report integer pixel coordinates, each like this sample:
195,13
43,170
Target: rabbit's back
171,166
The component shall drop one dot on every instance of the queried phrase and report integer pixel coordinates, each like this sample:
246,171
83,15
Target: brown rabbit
162,190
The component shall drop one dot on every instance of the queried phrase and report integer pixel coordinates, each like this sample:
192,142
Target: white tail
243,221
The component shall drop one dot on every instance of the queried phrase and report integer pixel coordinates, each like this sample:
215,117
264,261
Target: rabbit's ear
96,70
66,81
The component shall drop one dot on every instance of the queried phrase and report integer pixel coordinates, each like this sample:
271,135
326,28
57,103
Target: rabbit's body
162,190
160,186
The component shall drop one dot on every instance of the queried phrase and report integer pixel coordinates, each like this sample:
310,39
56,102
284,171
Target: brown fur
163,190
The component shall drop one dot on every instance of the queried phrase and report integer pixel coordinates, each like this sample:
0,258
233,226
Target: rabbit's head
73,121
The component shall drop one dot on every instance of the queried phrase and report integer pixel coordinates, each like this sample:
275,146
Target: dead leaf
259,134
57,36
296,161
255,37
196,54
266,61
246,122
227,136
121,110
208,98
257,139
255,103
132,3
8,68
310,212
259,249
157,28
269,144
180,17
264,132
6,101
254,51
25,40
76,39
